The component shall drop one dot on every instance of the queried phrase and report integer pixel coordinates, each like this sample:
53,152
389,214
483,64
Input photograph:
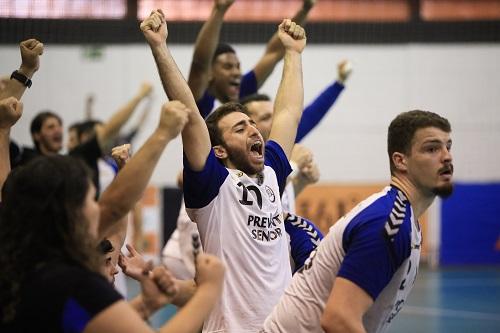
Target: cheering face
50,137
430,166
243,144
226,77
262,113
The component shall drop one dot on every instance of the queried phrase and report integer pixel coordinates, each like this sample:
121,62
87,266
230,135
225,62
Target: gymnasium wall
459,81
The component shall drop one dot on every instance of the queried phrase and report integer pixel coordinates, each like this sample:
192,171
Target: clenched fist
31,50
10,111
174,116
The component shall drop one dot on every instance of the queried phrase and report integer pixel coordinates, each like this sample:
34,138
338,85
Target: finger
297,32
38,48
132,250
162,15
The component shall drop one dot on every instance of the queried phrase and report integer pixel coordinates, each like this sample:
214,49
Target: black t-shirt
90,152
20,155
61,298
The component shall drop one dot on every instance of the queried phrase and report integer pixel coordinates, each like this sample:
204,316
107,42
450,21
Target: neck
419,201
228,164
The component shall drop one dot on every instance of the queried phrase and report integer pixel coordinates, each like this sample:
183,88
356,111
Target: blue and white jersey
240,220
376,246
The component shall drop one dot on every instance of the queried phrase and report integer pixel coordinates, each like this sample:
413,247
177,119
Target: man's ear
220,152
399,161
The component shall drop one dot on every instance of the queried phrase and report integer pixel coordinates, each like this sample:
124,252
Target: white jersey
177,254
376,246
240,220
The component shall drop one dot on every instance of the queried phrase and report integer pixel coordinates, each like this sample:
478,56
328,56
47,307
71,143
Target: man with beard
231,191
362,272
215,75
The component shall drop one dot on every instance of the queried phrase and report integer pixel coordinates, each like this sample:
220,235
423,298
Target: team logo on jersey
270,194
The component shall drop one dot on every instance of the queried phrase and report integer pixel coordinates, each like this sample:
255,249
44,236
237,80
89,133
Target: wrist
164,135
26,71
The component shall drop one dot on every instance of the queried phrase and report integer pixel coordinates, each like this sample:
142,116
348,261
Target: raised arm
128,186
314,112
275,50
195,138
204,49
10,111
289,101
107,131
31,50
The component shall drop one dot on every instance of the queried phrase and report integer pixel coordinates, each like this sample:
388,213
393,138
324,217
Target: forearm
289,102
128,186
315,111
142,309
15,88
190,318
274,47
173,82
187,289
112,127
204,50
195,136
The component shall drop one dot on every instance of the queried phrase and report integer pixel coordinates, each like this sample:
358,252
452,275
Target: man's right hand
174,116
154,28
10,111
31,50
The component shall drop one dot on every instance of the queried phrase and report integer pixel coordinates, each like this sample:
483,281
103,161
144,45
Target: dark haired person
215,73
362,272
231,189
49,227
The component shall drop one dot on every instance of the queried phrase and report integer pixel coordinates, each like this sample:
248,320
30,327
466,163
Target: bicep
117,318
346,306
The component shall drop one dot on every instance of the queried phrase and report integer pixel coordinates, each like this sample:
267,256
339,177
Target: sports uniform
240,220
376,246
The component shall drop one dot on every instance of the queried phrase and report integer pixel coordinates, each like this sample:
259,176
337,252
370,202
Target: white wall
461,82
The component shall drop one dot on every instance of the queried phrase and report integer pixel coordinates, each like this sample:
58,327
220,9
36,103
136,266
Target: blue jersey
376,246
248,87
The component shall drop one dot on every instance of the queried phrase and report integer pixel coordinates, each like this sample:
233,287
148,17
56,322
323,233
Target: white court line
437,312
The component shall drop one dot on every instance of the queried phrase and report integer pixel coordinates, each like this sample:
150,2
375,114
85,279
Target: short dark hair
255,98
37,123
84,127
213,119
402,130
221,49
